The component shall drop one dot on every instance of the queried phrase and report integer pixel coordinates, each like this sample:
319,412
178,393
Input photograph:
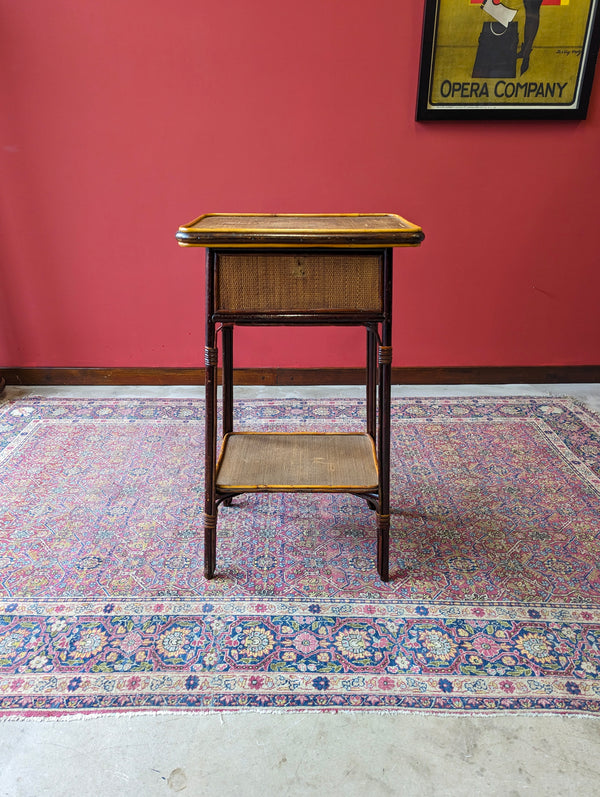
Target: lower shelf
301,461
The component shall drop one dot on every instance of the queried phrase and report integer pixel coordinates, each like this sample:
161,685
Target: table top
307,229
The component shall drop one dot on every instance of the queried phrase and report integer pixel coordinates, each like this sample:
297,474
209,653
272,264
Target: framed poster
511,59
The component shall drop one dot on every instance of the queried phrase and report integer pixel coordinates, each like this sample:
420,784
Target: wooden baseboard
487,375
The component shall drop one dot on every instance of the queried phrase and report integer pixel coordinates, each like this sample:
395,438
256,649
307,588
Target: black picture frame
471,67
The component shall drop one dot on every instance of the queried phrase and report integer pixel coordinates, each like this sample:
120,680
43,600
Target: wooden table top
308,229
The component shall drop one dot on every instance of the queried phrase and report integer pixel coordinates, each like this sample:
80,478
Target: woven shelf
301,461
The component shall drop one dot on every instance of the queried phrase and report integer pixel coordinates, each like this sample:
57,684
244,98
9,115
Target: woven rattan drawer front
249,282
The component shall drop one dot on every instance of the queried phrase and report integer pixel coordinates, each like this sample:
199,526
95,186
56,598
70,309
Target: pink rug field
493,603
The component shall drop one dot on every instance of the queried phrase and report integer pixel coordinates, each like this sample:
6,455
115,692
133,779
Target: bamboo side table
299,270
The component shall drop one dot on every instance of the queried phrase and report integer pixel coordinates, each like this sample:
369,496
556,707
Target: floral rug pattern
493,602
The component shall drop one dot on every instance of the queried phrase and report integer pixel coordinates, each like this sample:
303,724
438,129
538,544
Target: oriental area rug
493,603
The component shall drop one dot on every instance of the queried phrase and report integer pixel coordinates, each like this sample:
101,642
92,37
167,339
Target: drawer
266,282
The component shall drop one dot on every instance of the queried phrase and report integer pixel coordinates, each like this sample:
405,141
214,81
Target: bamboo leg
210,506
371,382
210,545
383,546
227,382
210,459
385,401
227,333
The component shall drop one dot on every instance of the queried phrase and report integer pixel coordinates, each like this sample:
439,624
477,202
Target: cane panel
249,282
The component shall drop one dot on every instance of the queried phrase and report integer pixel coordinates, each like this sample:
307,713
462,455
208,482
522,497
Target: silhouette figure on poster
532,23
499,39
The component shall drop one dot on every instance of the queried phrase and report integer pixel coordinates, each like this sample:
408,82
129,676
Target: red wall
122,120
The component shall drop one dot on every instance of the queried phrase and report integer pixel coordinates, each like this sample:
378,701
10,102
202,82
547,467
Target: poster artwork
499,54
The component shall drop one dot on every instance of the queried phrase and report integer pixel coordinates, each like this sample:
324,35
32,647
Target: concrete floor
304,753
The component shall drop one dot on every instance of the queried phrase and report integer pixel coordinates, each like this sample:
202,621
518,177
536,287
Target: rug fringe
221,712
